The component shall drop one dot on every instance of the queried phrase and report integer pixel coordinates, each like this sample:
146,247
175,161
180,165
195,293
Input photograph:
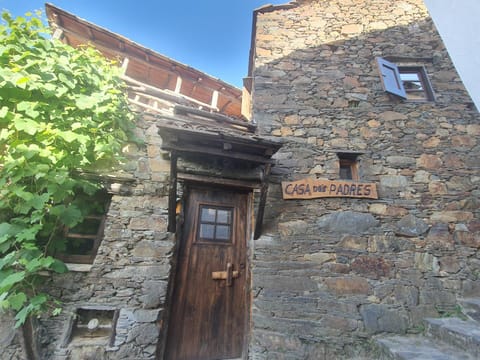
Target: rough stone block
389,244
439,237
391,116
393,181
407,295
429,161
372,267
411,226
450,264
467,239
381,318
438,296
146,316
144,334
153,294
292,227
353,242
400,161
320,257
349,222
426,262
348,285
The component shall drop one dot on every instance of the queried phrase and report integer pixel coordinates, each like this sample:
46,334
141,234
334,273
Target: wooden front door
210,303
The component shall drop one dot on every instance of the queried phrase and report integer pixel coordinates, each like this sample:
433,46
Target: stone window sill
79,267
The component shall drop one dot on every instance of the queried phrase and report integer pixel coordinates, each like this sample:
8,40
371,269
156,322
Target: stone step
419,347
464,334
471,307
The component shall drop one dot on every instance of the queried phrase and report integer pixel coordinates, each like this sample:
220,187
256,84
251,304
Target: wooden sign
313,188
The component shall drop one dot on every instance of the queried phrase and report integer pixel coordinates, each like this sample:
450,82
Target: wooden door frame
179,233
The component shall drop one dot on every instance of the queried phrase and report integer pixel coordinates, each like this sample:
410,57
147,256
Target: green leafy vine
63,110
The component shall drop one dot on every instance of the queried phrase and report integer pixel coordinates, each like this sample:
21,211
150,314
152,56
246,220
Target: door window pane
223,216
215,224
207,231
223,232
208,215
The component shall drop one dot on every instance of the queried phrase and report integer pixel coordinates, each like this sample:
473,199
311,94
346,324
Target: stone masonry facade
327,274
132,267
330,273
131,270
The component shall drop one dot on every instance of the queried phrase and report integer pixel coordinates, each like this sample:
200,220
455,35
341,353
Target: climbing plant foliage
63,111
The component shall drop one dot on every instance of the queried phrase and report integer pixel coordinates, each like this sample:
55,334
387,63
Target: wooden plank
316,188
262,202
57,34
198,149
219,181
179,109
172,194
222,275
162,93
125,65
178,85
214,99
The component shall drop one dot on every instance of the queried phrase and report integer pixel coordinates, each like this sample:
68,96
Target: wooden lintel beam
198,149
262,202
219,181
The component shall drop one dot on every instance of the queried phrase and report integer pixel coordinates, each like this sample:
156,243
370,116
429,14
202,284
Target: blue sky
212,36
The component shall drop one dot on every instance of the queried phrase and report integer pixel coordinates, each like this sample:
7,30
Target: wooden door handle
228,275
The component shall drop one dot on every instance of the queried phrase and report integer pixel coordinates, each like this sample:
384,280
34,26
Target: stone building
334,203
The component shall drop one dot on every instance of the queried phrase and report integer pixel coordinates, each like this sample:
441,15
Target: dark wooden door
209,308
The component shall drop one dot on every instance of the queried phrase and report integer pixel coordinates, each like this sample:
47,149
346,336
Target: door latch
228,275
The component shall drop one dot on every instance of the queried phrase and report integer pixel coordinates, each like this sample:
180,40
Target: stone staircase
449,338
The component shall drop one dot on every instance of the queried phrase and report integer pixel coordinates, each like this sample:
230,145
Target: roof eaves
52,9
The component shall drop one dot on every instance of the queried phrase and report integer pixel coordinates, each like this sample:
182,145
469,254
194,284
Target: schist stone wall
329,273
131,270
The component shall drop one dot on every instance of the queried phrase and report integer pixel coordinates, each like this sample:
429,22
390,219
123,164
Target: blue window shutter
391,80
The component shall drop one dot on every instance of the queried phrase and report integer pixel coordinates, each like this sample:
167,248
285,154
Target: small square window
348,166
408,82
81,242
215,224
415,82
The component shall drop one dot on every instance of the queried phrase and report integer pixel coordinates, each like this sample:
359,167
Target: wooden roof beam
178,85
167,82
214,99
162,93
125,65
91,34
165,69
57,34
225,105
